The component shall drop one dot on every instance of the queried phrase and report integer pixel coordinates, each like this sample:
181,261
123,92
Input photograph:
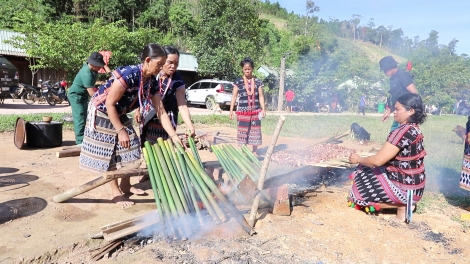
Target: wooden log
72,147
80,189
71,152
126,173
264,170
105,178
124,228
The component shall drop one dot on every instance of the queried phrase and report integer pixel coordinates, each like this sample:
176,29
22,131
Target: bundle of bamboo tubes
237,162
181,185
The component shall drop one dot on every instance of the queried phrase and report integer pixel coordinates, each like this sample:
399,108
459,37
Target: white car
209,92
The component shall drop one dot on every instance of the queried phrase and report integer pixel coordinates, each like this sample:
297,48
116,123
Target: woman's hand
192,132
386,115
264,113
354,158
177,140
124,140
137,116
230,115
468,138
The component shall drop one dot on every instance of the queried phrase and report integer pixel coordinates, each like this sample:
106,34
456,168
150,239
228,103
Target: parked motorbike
18,93
55,93
31,94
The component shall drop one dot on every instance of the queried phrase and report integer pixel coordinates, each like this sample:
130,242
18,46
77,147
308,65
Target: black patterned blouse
406,170
248,104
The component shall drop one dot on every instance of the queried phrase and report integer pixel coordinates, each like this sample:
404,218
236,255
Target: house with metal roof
187,63
20,59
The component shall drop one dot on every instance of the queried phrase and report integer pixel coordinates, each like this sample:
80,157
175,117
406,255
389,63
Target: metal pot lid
20,132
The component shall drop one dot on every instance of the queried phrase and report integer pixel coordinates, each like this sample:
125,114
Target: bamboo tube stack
237,162
181,186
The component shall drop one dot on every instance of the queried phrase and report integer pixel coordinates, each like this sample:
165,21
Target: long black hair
413,101
152,50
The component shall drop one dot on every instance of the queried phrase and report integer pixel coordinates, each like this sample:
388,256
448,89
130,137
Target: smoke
187,226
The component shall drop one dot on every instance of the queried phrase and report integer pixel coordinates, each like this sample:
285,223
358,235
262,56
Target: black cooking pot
43,135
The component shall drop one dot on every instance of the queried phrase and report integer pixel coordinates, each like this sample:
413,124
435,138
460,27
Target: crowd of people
393,177
155,91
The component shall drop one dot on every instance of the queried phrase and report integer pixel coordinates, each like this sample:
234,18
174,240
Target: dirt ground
321,228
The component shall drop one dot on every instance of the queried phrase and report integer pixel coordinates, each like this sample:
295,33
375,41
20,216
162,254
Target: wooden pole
280,100
105,178
264,170
70,152
81,189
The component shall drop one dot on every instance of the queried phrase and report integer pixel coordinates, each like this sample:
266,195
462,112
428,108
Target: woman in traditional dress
395,176
250,108
171,88
110,142
465,174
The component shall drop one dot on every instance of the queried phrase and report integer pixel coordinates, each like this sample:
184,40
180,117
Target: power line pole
280,101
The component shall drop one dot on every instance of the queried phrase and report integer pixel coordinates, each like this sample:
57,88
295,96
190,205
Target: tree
310,8
228,31
66,45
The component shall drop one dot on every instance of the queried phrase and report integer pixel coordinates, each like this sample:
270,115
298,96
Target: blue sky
451,18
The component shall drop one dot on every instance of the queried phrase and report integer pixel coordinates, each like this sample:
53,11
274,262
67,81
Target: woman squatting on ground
395,176
250,108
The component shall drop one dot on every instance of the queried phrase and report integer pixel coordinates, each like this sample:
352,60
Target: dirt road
16,106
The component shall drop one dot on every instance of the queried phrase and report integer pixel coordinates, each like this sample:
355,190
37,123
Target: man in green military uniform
82,88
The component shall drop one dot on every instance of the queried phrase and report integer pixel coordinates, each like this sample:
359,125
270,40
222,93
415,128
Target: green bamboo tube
206,200
194,150
234,167
177,210
243,158
153,181
206,179
190,187
251,156
246,169
166,211
248,159
204,193
171,163
169,206
255,169
180,177
242,169
224,164
161,162
168,173
198,181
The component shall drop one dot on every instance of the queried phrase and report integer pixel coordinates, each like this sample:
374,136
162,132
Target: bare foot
123,201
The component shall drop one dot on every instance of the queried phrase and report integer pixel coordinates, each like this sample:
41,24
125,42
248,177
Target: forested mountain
323,54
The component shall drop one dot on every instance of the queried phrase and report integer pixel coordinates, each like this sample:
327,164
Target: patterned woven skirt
372,185
154,130
249,130
100,148
465,174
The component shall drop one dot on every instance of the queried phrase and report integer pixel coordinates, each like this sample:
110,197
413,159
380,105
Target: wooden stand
105,178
